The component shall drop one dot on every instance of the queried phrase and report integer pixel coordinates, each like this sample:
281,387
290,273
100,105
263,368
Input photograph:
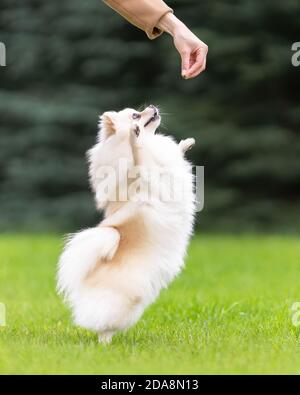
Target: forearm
171,24
155,17
145,14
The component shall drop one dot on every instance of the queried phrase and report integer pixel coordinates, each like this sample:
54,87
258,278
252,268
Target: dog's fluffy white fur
109,274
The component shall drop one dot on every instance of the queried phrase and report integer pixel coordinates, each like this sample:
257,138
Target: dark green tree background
70,60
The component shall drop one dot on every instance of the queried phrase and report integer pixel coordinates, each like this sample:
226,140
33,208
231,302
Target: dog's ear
186,144
107,125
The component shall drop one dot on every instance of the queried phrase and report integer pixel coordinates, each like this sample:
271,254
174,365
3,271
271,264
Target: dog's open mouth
154,117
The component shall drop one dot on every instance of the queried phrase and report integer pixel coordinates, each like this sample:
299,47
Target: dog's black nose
155,109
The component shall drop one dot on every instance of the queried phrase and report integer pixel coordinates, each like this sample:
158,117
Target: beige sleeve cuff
145,14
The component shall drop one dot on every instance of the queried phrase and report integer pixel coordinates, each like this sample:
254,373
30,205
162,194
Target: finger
185,62
199,71
195,68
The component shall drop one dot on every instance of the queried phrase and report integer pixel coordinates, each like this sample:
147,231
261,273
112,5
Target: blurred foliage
68,61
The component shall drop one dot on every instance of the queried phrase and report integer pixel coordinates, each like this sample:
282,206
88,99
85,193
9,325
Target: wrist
170,24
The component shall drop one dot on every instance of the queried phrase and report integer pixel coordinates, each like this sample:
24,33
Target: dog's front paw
186,144
136,130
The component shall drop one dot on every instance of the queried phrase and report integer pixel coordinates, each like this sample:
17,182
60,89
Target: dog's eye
136,116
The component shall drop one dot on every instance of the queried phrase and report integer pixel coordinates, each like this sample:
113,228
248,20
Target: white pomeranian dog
109,274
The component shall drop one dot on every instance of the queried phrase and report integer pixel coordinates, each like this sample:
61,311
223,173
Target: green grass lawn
228,312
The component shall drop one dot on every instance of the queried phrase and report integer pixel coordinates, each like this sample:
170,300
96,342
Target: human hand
192,50
193,53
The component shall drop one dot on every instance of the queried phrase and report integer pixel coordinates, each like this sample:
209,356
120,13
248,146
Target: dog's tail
82,252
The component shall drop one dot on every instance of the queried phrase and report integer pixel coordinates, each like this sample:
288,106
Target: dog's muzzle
154,117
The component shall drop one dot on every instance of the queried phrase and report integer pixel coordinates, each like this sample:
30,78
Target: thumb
185,62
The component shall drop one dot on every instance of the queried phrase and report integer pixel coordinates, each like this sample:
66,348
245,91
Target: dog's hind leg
105,337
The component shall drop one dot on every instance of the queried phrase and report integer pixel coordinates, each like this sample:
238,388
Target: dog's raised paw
186,144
